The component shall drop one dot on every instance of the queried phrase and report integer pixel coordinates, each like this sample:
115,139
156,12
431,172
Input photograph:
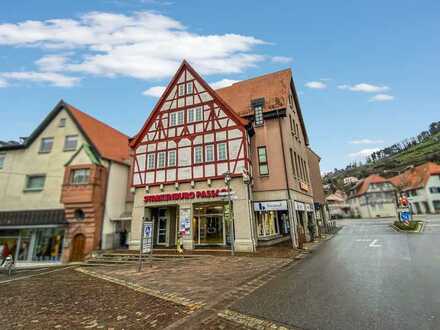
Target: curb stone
250,321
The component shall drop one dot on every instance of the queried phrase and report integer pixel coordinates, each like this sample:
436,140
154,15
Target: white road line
373,244
363,240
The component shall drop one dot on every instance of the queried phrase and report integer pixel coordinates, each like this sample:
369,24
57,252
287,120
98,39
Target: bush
411,226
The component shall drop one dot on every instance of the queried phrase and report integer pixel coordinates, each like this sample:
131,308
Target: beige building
252,130
60,187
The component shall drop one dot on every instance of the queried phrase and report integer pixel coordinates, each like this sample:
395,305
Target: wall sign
270,206
299,206
309,208
184,195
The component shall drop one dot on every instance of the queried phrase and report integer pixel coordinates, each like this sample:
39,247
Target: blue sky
367,72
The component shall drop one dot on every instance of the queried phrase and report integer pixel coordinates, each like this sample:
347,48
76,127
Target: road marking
373,244
363,240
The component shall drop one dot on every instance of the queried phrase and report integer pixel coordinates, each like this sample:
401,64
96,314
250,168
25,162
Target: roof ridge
255,78
95,119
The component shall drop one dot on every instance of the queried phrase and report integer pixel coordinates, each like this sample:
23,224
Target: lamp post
227,176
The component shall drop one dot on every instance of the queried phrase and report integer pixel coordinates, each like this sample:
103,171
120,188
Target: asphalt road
367,277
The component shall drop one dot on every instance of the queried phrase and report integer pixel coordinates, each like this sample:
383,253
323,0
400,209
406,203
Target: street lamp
228,178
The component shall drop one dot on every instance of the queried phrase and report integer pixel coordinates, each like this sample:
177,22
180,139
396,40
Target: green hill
427,150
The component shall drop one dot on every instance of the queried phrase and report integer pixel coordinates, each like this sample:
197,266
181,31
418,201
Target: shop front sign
270,206
303,186
185,195
309,208
300,206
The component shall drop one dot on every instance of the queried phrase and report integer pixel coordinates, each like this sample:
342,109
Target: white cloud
316,85
155,91
223,83
364,88
381,98
52,63
363,153
52,78
3,83
366,141
281,59
145,45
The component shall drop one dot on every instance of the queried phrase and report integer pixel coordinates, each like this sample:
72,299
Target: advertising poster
147,237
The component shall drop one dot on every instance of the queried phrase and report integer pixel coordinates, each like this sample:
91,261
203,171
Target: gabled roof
362,186
107,141
273,87
416,177
184,66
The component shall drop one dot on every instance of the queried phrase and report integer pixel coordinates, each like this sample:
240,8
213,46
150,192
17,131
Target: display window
267,223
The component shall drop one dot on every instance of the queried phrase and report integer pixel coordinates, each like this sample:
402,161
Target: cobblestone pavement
67,299
202,280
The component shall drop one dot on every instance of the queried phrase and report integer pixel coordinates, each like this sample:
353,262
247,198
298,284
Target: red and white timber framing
189,119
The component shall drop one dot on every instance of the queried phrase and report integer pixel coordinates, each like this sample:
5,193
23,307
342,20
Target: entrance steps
132,257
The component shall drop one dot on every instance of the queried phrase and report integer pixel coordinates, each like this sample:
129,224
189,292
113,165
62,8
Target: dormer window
257,106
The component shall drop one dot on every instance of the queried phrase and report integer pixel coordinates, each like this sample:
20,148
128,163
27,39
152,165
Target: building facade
373,197
317,186
421,184
253,131
55,185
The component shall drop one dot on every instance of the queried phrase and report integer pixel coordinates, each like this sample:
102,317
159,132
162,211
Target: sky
367,73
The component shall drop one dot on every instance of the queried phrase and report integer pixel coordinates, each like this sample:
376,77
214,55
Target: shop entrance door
78,243
211,230
162,227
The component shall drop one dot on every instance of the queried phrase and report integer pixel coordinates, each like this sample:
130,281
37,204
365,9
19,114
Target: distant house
350,180
373,197
421,185
337,205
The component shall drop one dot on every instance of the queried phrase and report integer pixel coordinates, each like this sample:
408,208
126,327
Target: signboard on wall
270,206
185,220
147,241
300,206
185,195
309,208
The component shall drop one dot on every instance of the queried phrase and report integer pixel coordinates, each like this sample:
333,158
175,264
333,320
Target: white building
421,185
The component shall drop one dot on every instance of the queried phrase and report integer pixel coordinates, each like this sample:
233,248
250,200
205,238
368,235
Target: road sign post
146,242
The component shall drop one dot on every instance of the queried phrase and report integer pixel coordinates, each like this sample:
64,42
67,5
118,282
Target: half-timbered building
252,131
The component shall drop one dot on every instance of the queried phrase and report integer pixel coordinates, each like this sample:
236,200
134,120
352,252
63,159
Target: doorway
78,244
162,227
209,224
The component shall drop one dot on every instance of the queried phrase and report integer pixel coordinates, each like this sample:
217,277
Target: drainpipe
286,178
105,203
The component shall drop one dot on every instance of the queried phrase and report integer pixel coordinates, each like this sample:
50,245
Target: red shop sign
184,195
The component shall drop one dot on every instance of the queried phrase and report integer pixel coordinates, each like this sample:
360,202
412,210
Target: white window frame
174,158
181,89
198,114
180,118
173,118
209,150
151,161
161,159
77,179
29,177
65,143
259,120
219,151
198,155
43,140
191,113
190,90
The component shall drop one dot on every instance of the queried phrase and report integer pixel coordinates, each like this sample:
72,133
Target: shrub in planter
411,226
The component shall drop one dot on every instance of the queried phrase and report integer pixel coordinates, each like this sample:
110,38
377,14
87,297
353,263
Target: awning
32,218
